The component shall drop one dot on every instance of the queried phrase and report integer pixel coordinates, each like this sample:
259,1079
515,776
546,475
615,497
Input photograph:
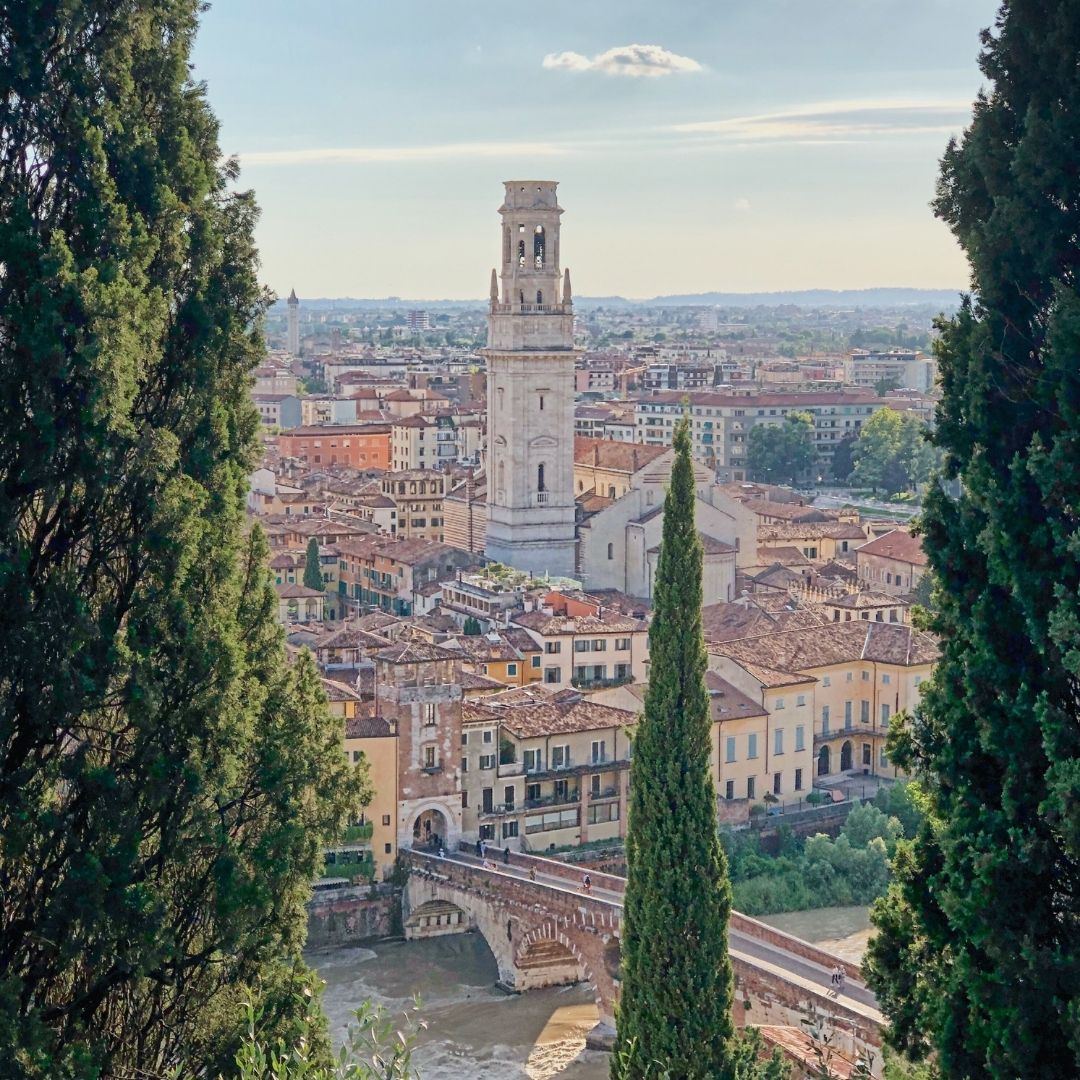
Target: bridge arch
435,917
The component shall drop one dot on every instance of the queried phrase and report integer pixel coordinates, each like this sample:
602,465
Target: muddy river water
474,1030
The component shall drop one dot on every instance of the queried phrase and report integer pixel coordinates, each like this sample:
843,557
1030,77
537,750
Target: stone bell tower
530,399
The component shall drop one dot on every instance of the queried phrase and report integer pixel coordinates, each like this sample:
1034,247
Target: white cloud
647,61
742,204
376,155
837,120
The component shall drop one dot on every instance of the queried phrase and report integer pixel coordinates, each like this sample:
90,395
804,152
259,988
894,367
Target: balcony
604,793
564,799
600,684
432,770
542,497
499,810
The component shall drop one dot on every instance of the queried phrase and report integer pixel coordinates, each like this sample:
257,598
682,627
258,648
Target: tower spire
494,288
567,295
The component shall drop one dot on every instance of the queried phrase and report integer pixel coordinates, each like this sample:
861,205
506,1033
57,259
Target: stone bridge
543,930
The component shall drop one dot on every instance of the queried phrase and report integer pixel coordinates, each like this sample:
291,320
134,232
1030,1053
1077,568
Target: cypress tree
675,1007
312,568
166,780
977,957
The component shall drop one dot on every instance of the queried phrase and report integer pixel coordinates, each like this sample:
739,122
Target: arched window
611,551
538,247
541,402
611,491
540,478
521,253
539,297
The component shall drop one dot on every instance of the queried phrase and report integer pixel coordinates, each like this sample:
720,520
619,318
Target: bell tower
530,403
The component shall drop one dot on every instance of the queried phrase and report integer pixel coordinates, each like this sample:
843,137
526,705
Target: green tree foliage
471,627
819,871
977,955
675,1006
782,453
376,1048
313,578
883,386
166,780
892,452
843,460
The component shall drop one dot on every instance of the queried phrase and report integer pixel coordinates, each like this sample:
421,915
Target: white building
530,362
620,544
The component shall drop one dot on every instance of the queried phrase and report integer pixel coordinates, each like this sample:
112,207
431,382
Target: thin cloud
636,61
742,204
832,121
378,155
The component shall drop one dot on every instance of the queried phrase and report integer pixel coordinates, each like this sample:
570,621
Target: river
474,1030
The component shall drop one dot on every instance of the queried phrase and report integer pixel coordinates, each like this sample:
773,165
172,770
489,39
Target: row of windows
731,744
751,785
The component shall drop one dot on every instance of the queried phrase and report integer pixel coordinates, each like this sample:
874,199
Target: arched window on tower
538,247
521,253
539,297
540,478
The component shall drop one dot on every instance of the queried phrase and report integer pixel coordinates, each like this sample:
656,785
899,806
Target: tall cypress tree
166,780
978,952
312,568
675,1006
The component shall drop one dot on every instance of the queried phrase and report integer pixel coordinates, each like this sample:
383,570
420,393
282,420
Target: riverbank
473,1030
845,931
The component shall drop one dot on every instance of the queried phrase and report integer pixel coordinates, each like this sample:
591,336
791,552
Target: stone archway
846,757
824,761
430,827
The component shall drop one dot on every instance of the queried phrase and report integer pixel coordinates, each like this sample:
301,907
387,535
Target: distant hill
946,299
831,298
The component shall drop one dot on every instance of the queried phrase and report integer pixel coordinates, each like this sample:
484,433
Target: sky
731,145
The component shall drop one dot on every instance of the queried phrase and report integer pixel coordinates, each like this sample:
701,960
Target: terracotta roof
471,680
528,720
339,691
787,511
727,702
610,622
788,652
615,455
414,652
899,545
859,600
784,556
835,530
713,546
296,592
367,727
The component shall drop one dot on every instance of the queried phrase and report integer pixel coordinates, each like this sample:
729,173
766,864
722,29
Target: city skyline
763,147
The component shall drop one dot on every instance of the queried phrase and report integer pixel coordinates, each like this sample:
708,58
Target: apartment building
587,647
721,422
418,497
844,681
544,767
894,563
359,446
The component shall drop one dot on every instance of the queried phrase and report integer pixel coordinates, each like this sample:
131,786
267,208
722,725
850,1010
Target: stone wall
348,916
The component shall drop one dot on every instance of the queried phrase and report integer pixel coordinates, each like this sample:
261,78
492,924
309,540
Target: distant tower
294,324
530,403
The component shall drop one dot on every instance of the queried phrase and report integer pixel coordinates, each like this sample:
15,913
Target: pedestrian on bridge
479,850
586,885
506,855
